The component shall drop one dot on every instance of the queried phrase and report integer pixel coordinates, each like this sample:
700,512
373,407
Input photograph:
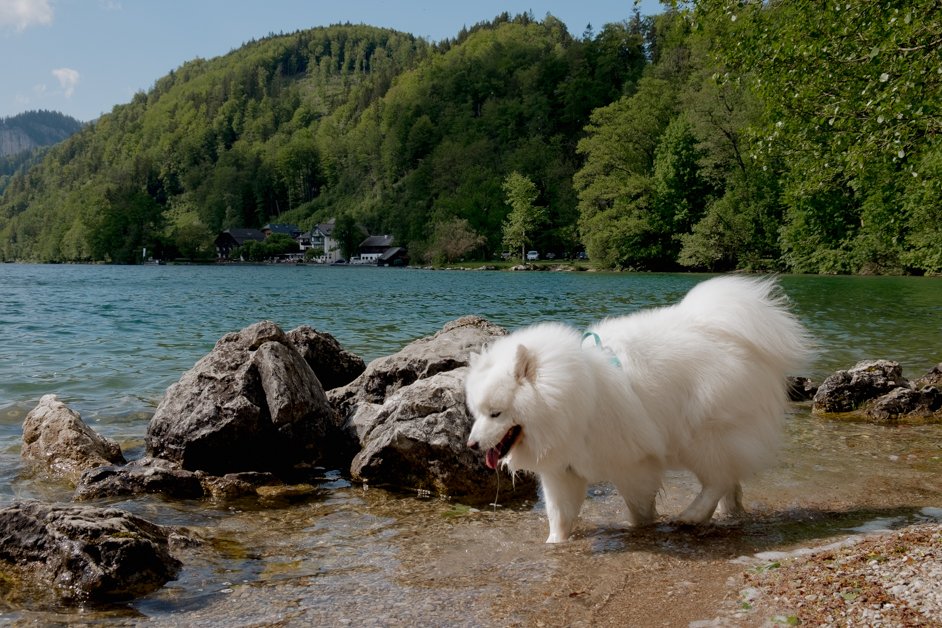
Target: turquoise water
109,340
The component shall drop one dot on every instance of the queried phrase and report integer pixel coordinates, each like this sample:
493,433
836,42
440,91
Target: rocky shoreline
890,578
268,413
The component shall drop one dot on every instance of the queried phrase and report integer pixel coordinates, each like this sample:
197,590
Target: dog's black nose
473,444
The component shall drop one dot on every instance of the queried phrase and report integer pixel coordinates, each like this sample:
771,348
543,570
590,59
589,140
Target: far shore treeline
794,136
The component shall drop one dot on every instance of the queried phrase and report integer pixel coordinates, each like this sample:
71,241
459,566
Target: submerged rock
157,476
252,404
407,413
140,477
57,437
82,554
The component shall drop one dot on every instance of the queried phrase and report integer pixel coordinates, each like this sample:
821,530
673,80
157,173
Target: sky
83,57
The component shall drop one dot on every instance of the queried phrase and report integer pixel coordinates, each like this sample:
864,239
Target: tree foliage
274,246
718,135
452,240
525,217
852,94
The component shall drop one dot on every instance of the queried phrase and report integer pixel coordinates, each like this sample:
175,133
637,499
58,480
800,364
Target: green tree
524,217
922,210
452,239
193,240
853,95
281,244
348,234
129,221
617,219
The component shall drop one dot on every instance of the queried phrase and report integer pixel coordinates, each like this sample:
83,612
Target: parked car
532,256
581,255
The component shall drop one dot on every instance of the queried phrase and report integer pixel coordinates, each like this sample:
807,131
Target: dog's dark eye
494,415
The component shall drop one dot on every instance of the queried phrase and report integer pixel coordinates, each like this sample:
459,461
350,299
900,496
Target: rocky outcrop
846,391
56,437
447,349
252,404
251,419
408,418
81,554
906,403
140,477
931,379
417,440
876,390
15,141
333,365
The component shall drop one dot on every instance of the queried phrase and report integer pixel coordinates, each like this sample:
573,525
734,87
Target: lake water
108,340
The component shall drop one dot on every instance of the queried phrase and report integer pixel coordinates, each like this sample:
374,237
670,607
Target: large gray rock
416,440
333,365
908,405
82,554
847,391
876,390
56,437
252,404
447,349
407,420
932,378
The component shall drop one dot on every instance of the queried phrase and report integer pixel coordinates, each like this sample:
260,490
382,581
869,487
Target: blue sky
82,57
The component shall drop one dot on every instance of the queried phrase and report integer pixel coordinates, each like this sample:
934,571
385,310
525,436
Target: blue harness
598,343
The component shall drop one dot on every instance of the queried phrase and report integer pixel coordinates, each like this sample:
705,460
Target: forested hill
21,137
32,129
656,143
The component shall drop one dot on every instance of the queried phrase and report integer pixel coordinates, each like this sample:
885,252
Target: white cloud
21,14
68,79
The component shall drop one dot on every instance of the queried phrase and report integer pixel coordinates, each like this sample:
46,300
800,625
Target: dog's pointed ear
525,367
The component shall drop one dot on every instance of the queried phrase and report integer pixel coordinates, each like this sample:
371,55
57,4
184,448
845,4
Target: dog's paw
686,522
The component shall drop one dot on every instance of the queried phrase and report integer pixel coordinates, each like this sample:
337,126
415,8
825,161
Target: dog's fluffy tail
754,311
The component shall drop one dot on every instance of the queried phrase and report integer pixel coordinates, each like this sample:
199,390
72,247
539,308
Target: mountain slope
342,120
33,129
217,143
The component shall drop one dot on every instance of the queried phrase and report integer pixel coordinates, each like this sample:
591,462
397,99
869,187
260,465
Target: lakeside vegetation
716,136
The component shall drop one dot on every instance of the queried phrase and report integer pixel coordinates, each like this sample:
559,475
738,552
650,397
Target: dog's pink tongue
491,458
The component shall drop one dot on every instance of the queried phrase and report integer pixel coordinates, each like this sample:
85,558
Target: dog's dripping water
495,503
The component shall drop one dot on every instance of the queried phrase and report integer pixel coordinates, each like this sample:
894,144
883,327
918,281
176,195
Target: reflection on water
367,557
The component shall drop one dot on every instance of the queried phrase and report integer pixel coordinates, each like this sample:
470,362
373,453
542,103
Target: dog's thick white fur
699,385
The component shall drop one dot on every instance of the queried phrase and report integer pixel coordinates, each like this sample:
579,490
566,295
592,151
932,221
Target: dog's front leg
564,492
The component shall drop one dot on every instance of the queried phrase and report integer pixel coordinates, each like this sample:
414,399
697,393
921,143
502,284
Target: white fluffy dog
699,385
